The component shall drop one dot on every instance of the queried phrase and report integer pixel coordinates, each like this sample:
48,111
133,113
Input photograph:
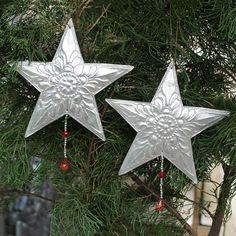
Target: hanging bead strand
160,206
161,177
65,136
65,164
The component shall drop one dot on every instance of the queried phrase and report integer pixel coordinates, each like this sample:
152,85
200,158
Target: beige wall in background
202,223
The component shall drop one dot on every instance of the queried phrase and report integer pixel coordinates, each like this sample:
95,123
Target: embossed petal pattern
67,85
164,126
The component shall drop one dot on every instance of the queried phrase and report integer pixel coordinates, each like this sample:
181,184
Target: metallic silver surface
67,85
165,125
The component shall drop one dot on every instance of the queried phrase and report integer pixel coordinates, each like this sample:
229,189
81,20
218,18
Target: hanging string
160,206
161,176
65,136
65,163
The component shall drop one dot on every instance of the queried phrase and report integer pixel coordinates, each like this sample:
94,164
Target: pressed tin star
165,126
67,85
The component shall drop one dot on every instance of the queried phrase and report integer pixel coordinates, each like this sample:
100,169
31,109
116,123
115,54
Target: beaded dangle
160,205
65,163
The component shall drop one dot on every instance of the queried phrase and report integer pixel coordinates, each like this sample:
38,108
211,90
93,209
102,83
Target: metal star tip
70,23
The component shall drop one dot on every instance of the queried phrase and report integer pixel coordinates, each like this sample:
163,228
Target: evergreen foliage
92,199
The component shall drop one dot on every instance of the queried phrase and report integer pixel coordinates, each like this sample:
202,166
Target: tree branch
186,226
5,191
221,205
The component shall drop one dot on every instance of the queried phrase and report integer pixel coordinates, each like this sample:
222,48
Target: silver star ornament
67,85
164,126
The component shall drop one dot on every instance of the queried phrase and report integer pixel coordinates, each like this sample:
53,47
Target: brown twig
98,19
14,190
91,150
106,105
187,227
195,203
202,191
84,4
78,12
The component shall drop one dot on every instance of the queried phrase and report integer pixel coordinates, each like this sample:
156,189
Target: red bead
66,134
162,175
64,164
160,206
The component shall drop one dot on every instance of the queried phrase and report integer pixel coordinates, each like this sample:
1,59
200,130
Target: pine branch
187,227
195,203
207,193
92,143
203,46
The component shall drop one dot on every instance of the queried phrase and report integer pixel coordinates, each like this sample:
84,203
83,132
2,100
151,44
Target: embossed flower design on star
67,85
164,126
